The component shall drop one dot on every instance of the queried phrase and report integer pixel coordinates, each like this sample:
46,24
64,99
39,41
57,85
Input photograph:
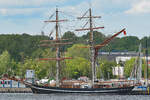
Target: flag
149,64
124,32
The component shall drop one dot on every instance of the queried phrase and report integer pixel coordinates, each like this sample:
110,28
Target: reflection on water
27,96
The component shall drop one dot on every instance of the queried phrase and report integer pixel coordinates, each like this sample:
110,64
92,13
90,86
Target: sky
28,16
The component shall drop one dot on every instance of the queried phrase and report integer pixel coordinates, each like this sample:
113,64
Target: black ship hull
48,90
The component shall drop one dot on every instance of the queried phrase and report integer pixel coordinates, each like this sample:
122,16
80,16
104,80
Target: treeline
20,46
21,52
25,45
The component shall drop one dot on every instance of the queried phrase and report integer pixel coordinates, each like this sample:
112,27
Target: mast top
57,42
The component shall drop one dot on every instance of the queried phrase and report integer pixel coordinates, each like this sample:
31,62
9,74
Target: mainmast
94,48
91,42
57,42
57,51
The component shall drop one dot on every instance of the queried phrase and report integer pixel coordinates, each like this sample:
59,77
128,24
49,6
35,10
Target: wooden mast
92,49
57,51
92,46
57,42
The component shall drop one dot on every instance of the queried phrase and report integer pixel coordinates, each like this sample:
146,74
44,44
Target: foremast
57,42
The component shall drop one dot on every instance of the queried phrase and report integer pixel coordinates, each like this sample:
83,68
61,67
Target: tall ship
93,86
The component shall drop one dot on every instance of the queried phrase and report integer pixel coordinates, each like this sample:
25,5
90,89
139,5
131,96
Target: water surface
28,96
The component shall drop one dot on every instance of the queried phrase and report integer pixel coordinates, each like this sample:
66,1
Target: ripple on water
28,96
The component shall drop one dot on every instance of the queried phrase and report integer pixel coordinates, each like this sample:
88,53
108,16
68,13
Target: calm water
27,96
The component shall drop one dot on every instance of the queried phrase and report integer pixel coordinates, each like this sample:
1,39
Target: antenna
90,4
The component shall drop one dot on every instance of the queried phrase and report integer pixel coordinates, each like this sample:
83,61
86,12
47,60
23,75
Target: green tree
129,64
5,63
77,67
77,50
105,69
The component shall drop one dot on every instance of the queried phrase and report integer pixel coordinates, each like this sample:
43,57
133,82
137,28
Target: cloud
143,6
28,15
77,9
26,7
20,11
13,3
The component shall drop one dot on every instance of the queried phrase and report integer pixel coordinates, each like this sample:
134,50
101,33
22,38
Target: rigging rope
85,13
52,32
51,15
